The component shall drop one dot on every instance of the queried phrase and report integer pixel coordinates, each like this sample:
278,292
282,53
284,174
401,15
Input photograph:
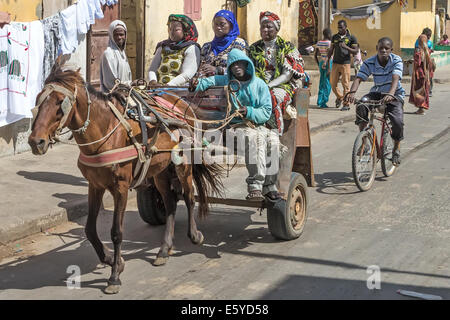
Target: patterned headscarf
220,44
189,30
267,15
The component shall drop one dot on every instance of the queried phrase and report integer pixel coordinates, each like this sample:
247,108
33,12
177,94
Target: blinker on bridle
66,106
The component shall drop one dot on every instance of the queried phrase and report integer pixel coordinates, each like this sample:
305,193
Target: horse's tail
207,179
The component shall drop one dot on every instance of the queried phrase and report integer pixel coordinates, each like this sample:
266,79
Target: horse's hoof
170,252
160,261
199,239
112,289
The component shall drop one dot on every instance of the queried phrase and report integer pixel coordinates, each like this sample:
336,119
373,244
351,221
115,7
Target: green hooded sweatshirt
254,93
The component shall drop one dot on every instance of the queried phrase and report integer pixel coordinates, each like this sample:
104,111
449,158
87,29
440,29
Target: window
193,9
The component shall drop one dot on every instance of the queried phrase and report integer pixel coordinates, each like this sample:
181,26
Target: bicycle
364,157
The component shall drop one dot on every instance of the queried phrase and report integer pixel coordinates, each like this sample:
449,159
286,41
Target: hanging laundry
68,30
52,39
83,17
98,12
21,61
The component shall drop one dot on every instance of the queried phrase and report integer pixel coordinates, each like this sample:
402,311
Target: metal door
97,42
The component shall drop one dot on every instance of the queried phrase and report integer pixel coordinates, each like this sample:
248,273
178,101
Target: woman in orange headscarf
420,82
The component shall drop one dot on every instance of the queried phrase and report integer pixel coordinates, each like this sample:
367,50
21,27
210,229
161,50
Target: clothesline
28,51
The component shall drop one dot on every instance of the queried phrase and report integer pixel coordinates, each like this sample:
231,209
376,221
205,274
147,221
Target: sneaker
345,108
338,103
255,195
396,158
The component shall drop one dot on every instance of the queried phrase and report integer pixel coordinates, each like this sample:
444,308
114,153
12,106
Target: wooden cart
287,217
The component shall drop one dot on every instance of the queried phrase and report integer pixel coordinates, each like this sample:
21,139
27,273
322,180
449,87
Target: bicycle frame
370,126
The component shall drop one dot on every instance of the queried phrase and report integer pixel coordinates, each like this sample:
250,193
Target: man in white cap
114,62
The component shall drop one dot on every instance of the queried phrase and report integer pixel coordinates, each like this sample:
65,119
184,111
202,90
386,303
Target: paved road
401,225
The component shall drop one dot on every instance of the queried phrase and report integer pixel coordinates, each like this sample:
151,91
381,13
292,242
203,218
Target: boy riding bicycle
387,70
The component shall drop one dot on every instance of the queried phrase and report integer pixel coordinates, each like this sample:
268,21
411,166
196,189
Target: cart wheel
151,206
287,218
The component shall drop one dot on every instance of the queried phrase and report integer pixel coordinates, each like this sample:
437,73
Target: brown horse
118,178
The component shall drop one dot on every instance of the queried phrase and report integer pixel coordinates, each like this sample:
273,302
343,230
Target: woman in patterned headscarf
176,59
279,64
214,54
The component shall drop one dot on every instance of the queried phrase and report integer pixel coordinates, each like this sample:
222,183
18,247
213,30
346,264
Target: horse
67,87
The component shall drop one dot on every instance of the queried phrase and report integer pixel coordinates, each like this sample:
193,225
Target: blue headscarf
220,44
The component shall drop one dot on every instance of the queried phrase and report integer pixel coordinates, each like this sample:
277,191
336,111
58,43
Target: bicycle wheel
364,160
386,157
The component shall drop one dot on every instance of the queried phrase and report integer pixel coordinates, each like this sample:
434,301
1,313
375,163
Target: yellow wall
287,14
157,12
22,10
403,28
344,4
413,22
367,38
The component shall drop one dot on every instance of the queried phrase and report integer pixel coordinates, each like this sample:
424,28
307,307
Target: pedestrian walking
322,48
420,82
343,45
427,31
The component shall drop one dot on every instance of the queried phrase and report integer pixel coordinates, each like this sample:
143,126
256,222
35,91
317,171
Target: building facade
402,25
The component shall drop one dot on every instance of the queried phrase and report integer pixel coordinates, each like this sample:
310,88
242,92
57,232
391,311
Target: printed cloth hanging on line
21,62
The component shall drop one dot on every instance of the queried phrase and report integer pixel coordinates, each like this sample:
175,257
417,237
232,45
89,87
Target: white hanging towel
83,16
68,31
21,63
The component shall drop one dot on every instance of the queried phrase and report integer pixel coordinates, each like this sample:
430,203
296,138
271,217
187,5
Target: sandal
255,195
420,111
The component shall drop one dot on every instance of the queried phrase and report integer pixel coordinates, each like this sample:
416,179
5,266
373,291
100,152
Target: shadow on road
54,177
224,231
308,287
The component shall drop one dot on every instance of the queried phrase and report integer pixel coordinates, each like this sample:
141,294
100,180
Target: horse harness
143,151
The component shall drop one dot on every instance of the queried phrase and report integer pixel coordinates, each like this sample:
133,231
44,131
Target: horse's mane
69,78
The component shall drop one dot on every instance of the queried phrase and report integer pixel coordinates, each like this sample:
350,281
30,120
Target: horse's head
55,107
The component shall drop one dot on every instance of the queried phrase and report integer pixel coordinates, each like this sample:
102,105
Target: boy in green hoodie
255,104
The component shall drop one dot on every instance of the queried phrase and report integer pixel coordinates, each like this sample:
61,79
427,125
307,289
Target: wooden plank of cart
286,218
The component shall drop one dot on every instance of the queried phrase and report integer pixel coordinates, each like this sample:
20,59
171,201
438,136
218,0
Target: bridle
66,106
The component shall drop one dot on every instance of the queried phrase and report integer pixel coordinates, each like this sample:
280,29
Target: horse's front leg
184,173
95,201
120,195
162,183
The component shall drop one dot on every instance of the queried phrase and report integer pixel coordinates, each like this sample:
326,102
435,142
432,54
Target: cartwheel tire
287,218
151,206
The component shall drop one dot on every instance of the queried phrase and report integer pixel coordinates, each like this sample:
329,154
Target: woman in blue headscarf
214,54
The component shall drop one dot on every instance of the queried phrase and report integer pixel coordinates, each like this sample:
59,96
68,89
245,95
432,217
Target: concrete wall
22,10
367,38
402,27
13,137
287,11
156,14
413,22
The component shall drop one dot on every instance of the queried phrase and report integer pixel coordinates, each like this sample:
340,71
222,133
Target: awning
362,12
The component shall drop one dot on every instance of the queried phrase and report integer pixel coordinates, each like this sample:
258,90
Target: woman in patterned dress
176,59
279,64
214,54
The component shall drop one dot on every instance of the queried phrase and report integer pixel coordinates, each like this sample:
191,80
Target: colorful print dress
270,63
208,56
